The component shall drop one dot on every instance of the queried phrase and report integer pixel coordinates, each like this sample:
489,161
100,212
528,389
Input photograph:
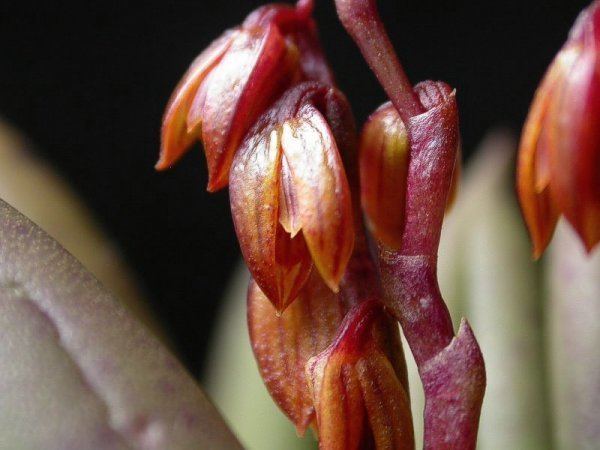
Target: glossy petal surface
575,157
279,264
283,343
176,137
384,154
322,192
352,381
239,88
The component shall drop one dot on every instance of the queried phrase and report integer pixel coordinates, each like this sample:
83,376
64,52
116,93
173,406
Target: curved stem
361,20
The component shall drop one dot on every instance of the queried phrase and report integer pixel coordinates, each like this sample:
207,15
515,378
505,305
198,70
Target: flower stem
362,21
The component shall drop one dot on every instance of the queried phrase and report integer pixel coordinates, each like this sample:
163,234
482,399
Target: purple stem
362,22
451,367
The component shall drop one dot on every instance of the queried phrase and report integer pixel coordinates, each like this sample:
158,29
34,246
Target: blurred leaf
31,185
77,372
487,276
573,282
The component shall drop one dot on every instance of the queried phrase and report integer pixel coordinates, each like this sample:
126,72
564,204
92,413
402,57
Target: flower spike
559,158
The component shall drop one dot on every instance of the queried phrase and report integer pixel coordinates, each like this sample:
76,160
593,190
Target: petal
533,181
176,138
386,401
280,265
320,185
283,343
384,154
340,406
575,157
352,380
293,266
289,209
256,69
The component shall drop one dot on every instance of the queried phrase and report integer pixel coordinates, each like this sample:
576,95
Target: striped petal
384,153
279,263
257,67
352,380
322,192
176,137
575,159
283,343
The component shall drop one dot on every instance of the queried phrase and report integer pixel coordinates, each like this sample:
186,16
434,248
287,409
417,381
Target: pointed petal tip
215,185
161,165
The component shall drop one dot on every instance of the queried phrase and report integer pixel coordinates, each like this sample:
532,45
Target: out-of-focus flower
559,158
232,82
290,198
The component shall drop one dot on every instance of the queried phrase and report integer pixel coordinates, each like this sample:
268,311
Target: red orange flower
559,157
233,81
290,198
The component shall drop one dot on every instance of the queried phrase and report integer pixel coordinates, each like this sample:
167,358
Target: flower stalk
322,309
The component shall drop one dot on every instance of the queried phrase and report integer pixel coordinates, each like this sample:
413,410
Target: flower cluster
322,316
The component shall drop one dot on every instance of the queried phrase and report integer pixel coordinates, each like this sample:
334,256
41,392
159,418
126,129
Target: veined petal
320,185
386,401
339,404
279,263
352,380
384,155
293,266
176,138
289,209
283,343
256,68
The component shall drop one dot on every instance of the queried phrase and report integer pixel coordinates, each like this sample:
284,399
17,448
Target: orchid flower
325,293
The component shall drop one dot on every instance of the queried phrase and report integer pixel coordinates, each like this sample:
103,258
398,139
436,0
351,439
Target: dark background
88,83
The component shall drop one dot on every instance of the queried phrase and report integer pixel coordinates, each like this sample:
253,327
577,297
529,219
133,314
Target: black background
87,82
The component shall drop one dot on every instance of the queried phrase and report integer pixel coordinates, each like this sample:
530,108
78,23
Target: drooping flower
283,343
290,198
233,81
358,397
559,158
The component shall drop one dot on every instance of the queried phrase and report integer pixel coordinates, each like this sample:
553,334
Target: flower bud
358,398
559,157
384,161
384,153
232,83
290,198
